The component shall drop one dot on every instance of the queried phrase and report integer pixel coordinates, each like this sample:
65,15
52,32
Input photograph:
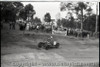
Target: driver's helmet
50,38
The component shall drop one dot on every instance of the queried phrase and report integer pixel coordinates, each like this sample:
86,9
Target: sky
53,8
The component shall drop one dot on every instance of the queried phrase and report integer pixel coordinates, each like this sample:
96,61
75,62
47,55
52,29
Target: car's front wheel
47,47
57,45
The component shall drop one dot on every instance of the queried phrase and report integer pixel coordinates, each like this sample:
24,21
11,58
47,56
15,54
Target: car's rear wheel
40,44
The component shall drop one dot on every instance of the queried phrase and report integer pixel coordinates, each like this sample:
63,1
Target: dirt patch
89,42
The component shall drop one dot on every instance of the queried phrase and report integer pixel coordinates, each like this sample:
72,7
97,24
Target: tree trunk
96,27
82,20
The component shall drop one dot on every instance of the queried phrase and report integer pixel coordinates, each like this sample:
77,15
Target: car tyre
57,45
40,44
47,47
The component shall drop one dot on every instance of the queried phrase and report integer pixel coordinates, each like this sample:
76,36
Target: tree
98,23
29,9
9,10
47,17
59,22
89,11
78,7
23,14
19,6
81,6
89,23
69,21
65,5
96,27
37,20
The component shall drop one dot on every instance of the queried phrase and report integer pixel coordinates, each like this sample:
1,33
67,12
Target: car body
47,45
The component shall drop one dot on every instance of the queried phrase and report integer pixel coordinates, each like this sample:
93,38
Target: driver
51,40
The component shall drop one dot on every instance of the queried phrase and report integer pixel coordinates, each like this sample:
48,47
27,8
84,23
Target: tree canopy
9,10
89,23
47,17
78,7
27,11
37,20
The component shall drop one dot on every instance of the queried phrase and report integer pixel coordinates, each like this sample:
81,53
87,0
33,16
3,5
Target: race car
48,44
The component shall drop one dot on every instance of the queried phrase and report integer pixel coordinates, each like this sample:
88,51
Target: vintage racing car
48,44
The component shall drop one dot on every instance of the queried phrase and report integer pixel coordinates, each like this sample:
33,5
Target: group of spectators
72,32
23,25
78,32
11,24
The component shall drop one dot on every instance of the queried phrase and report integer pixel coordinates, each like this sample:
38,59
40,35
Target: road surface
20,50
